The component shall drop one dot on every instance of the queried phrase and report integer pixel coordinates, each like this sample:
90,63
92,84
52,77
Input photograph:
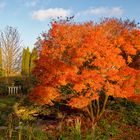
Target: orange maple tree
94,59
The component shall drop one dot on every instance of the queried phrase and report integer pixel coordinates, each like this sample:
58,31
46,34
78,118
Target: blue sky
31,17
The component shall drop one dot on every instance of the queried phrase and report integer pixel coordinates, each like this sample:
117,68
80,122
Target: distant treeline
27,62
14,60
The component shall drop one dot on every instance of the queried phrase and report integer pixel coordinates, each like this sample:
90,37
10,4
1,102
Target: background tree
92,60
25,61
33,57
10,43
1,62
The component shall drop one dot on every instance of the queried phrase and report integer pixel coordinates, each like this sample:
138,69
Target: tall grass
18,130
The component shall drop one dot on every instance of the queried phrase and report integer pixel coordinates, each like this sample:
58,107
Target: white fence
14,90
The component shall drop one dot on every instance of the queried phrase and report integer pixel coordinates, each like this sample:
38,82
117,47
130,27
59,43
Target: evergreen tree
25,61
1,62
33,57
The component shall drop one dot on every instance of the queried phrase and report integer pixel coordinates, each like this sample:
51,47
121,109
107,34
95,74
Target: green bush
131,114
26,83
3,89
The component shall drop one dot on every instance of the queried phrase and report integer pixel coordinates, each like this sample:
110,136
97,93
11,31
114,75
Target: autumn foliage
94,59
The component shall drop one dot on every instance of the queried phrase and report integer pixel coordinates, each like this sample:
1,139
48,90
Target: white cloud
50,13
103,11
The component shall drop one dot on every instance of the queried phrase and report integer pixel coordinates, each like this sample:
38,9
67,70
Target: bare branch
10,43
